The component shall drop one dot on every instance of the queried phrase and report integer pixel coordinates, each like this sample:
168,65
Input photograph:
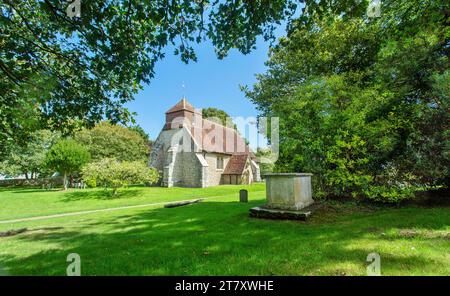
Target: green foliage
90,182
56,69
139,130
114,174
363,103
67,157
345,161
265,166
219,116
106,140
29,159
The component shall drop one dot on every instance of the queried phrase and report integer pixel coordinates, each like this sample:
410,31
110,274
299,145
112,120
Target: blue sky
209,82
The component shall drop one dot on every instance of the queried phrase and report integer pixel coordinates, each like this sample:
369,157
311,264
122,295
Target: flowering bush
113,174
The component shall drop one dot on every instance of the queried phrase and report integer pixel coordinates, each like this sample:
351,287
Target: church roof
236,164
183,104
214,137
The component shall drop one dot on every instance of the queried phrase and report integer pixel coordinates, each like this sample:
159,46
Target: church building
192,151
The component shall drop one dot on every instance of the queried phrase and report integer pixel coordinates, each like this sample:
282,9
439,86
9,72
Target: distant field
216,236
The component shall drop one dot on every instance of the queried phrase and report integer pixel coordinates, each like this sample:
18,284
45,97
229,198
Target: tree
67,157
59,68
361,101
106,140
138,129
114,174
218,115
221,117
29,160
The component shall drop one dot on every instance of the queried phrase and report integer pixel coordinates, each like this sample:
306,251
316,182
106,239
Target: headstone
243,195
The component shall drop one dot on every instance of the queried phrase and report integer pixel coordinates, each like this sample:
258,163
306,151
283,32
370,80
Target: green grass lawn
24,203
216,236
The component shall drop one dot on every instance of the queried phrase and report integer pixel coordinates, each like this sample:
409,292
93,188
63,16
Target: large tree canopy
363,102
148,142
113,141
29,160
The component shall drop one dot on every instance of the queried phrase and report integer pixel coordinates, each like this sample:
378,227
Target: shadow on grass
218,238
99,194
22,190
73,194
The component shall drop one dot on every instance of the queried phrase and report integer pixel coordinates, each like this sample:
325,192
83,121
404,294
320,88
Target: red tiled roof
236,164
181,105
217,138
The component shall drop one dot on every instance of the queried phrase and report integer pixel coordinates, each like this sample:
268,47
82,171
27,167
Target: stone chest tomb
289,196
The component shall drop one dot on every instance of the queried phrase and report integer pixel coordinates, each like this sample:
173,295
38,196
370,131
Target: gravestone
288,195
243,195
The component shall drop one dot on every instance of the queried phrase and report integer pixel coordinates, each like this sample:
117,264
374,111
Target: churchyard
325,123
215,236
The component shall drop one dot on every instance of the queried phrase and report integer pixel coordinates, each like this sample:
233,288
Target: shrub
67,157
114,174
91,183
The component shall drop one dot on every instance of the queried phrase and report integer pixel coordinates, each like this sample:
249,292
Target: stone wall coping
287,175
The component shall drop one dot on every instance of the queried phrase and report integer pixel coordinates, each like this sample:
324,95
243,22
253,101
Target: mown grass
29,202
216,237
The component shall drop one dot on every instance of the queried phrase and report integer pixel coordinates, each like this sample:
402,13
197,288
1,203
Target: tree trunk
65,180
